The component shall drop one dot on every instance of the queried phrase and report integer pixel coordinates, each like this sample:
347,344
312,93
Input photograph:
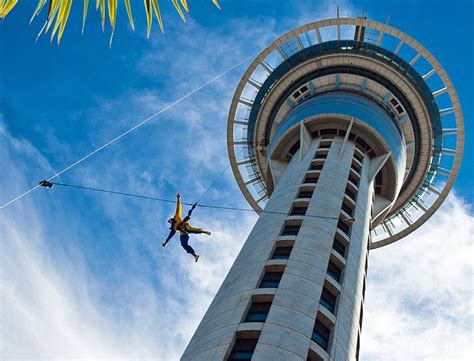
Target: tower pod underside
364,81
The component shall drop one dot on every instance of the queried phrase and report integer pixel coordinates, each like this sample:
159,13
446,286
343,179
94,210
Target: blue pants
184,243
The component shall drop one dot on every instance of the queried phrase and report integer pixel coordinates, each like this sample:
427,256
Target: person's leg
196,230
184,243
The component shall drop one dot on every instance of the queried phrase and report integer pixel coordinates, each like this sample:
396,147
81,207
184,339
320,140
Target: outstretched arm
172,232
190,212
179,208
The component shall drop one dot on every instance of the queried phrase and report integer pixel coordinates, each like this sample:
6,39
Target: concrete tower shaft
301,247
342,143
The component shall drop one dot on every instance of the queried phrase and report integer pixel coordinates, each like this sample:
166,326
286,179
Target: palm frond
129,13
64,17
185,5
215,2
59,10
149,16
41,3
178,9
84,14
6,7
156,8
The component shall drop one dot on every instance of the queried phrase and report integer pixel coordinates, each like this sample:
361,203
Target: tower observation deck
345,135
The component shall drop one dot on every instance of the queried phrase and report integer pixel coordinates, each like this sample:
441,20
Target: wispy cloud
56,305
420,292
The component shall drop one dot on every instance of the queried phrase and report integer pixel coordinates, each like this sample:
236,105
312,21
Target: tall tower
345,135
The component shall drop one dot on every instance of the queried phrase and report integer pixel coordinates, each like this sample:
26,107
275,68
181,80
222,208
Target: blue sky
87,269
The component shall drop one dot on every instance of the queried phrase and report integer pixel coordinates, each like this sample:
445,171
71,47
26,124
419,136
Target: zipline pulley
46,184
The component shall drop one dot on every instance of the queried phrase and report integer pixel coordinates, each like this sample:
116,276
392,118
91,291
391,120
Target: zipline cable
216,179
214,182
134,195
169,106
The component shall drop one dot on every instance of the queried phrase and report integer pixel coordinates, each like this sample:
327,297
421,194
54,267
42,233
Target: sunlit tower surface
345,135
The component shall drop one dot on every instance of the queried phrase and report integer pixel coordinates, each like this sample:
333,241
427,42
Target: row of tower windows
322,330
362,147
258,310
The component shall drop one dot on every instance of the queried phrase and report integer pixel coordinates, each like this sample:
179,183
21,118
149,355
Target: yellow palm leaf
112,6
40,6
178,9
217,4
59,10
84,14
102,13
64,18
158,14
149,16
7,7
185,5
52,11
129,13
59,17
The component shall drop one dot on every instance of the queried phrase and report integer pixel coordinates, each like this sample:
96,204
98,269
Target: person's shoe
208,233
196,257
163,245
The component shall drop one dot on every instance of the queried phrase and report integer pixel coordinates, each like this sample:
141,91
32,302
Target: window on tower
354,179
350,193
258,312
311,178
321,154
343,226
299,210
290,229
271,279
313,356
305,194
243,349
348,208
316,166
328,300
321,334
281,253
325,143
356,166
334,271
359,155
339,246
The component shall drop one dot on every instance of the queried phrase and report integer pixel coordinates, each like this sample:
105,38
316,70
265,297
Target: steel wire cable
138,125
141,196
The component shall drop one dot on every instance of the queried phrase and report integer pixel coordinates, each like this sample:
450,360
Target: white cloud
419,303
53,302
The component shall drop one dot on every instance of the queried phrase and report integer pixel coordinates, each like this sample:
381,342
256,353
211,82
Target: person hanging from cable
182,225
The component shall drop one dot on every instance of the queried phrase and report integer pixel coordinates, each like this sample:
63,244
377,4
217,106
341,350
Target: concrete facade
286,334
